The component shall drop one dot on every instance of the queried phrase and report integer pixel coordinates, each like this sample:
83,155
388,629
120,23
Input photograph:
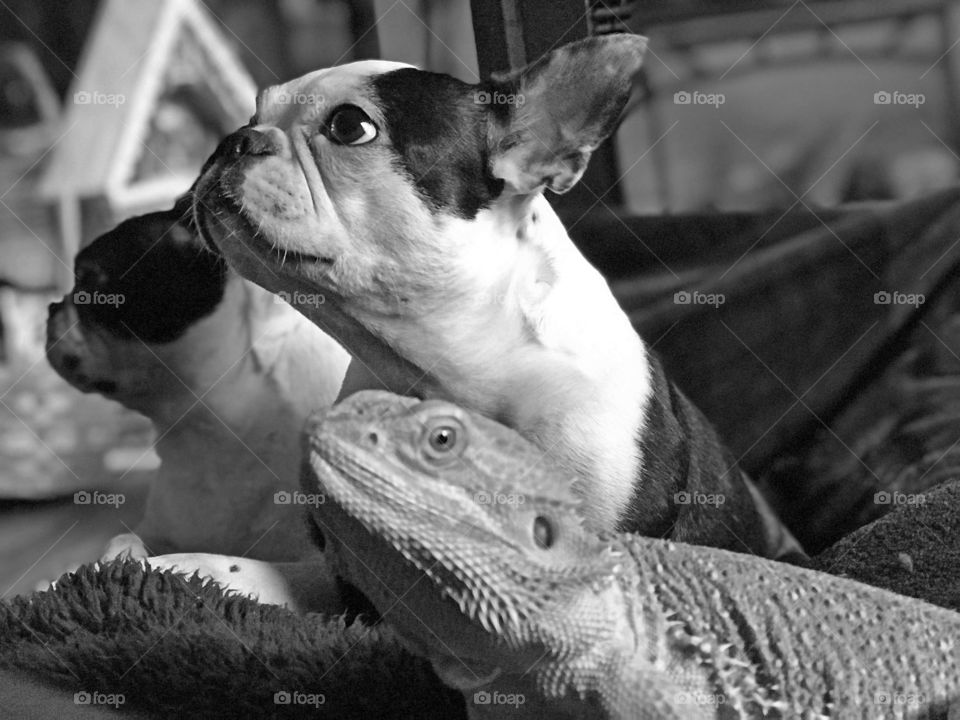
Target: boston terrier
226,372
415,204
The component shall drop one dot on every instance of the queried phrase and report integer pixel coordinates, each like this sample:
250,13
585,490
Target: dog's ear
547,118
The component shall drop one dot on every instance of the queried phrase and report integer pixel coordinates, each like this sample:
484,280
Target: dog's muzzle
245,142
219,182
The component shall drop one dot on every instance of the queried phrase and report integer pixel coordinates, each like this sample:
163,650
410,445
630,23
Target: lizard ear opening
544,532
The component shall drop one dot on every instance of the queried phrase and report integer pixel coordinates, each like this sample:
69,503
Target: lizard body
468,540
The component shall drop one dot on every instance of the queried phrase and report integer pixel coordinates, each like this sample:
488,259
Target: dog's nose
246,141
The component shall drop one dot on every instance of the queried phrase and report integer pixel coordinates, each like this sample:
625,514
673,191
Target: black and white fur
227,374
448,274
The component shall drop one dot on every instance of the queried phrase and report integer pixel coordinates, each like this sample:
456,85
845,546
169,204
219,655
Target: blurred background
109,107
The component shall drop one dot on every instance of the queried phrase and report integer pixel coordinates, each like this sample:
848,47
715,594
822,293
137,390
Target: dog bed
913,551
178,647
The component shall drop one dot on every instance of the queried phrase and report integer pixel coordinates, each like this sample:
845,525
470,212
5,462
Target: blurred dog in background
227,373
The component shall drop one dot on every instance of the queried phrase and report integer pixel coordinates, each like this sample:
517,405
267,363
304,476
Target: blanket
832,365
911,551
173,646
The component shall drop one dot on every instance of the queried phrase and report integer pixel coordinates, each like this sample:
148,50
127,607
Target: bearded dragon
468,540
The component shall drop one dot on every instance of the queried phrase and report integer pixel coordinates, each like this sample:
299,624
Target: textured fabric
912,551
180,648
825,393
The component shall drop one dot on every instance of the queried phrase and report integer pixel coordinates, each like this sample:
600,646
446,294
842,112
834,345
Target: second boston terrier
414,202
227,373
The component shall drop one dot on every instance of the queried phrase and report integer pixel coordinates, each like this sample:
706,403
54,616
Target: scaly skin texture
467,540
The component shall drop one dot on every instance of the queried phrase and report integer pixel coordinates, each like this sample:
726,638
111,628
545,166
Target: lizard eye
444,439
544,533
349,125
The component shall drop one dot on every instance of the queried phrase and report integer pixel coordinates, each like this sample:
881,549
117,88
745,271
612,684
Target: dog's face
386,188
128,329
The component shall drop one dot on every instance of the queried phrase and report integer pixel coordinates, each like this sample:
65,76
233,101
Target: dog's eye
349,125
88,277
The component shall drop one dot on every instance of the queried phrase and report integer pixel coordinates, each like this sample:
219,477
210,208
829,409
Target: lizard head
464,536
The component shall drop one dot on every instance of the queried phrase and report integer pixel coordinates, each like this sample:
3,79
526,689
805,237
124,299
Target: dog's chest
585,414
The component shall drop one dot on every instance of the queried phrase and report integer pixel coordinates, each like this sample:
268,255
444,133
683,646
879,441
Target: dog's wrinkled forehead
290,103
435,130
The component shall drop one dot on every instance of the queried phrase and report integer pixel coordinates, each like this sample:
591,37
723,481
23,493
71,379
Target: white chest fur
533,337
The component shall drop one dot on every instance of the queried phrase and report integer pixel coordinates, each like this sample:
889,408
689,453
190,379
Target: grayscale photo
480,359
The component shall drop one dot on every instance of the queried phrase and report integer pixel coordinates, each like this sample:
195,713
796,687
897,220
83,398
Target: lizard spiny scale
613,627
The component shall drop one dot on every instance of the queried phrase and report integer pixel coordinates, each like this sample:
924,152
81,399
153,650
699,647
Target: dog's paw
125,546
